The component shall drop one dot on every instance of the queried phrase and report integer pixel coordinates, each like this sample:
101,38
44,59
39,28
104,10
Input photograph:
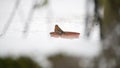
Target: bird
58,30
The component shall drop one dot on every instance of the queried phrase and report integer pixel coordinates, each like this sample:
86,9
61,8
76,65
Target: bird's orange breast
66,34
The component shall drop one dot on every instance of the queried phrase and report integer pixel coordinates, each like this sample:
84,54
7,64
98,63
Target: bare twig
87,30
30,15
41,4
6,26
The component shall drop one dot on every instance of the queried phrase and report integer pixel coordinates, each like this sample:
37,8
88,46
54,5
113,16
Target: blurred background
25,40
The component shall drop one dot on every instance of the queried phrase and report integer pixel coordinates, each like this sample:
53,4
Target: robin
58,30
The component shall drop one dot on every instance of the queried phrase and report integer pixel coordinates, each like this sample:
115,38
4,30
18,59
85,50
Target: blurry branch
88,24
110,56
7,24
96,19
39,5
31,13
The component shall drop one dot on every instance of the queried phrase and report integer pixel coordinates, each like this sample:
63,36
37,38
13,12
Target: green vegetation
22,62
63,61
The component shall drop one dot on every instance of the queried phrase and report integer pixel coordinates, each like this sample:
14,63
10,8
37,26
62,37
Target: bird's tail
58,30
